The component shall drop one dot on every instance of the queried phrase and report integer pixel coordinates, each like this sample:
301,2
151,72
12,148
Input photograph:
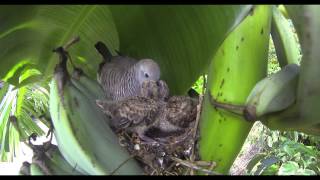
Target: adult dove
122,76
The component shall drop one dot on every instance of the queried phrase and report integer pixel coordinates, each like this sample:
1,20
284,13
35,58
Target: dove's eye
146,75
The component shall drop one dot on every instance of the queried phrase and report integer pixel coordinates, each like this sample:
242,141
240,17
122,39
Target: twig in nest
199,107
212,166
168,169
194,166
204,85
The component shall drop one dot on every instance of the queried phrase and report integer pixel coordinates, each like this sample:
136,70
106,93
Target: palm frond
5,109
26,104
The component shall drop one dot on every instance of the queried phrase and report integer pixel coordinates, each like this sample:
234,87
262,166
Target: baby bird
135,114
181,110
157,90
140,114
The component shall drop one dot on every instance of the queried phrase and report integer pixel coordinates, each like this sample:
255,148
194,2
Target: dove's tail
105,53
103,50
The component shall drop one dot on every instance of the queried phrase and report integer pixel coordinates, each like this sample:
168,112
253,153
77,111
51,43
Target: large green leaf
32,32
182,39
239,64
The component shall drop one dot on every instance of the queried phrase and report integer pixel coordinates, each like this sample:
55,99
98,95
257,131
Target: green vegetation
279,153
236,46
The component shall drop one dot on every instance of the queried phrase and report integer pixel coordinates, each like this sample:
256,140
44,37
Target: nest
169,156
160,158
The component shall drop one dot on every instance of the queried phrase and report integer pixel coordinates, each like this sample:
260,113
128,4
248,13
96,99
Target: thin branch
68,45
71,42
194,166
199,108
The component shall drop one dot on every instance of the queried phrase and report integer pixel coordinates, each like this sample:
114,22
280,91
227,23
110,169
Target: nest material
168,157
161,158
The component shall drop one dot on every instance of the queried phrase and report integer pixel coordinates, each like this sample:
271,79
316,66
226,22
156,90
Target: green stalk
239,64
287,48
303,116
309,83
306,21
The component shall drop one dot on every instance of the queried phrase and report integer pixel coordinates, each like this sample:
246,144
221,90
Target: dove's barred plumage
140,114
152,110
122,76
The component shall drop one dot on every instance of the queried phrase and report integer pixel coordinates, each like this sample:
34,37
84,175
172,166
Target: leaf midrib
85,12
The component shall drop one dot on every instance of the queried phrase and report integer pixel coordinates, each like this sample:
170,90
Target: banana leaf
182,39
239,64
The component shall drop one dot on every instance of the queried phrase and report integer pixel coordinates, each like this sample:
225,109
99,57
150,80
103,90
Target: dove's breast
117,80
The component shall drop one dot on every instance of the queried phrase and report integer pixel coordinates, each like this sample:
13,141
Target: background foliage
183,46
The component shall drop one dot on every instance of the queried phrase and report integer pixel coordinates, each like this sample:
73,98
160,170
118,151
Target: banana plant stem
241,110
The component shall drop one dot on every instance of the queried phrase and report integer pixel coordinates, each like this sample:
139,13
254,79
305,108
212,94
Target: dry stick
194,166
50,130
199,107
204,85
192,158
71,42
167,172
170,167
211,167
203,91
154,169
51,135
70,60
68,45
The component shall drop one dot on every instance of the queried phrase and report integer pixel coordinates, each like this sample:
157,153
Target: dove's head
147,69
